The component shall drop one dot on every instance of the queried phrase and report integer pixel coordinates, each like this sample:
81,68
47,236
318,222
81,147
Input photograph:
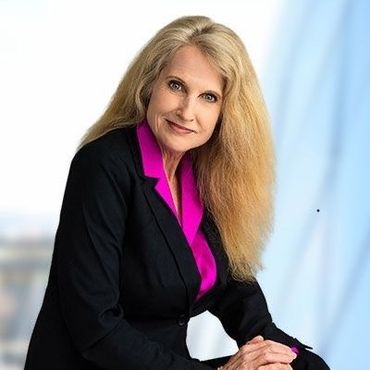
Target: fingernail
295,350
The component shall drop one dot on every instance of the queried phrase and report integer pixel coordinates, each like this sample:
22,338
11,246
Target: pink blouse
192,208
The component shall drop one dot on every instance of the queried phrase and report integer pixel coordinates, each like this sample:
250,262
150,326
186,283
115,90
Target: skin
188,92
260,354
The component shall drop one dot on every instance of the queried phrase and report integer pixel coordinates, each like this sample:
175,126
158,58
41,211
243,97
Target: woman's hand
260,354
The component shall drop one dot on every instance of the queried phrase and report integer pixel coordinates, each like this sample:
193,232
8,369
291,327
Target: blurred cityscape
24,268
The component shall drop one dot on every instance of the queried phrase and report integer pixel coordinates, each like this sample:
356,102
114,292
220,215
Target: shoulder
106,161
111,148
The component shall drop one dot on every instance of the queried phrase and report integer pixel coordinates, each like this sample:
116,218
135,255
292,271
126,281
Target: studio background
61,61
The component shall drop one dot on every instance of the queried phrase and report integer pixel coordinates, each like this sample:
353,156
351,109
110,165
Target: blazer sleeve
243,312
88,247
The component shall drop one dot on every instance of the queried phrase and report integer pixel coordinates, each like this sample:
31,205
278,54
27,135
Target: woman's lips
179,128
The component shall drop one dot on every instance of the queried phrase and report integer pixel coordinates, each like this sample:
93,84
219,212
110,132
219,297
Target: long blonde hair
235,169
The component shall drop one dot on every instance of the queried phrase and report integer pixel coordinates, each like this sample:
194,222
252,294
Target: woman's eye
174,85
211,98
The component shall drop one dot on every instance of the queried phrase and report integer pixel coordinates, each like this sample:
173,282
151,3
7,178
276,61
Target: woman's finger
271,345
257,339
266,358
258,352
275,367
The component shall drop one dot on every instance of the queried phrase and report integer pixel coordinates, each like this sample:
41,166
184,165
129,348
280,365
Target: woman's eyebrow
219,95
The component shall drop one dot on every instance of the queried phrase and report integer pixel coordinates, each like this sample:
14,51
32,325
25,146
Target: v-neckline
177,200
192,208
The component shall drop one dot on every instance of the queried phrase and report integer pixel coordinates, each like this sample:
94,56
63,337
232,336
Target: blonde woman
167,206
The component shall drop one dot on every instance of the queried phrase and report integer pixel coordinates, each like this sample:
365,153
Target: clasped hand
260,354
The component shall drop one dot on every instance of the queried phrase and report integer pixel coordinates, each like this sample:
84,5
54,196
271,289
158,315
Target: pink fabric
295,350
192,209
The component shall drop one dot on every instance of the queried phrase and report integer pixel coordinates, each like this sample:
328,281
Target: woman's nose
186,109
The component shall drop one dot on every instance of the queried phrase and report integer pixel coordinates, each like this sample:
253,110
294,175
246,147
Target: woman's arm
88,247
243,312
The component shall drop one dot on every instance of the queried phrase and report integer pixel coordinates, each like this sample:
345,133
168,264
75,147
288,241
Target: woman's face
185,102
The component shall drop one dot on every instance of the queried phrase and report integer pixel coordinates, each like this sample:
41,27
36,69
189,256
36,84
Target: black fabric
123,280
216,362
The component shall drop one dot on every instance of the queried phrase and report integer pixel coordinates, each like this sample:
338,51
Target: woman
167,205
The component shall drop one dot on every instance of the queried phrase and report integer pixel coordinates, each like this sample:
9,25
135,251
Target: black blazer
123,279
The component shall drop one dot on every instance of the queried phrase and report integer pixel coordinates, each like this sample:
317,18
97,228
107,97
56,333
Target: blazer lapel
174,235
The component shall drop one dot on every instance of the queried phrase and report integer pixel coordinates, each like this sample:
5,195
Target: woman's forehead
193,67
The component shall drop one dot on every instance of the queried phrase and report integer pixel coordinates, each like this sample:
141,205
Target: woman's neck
171,161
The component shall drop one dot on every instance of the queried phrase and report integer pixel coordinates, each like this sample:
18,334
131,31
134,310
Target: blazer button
182,320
